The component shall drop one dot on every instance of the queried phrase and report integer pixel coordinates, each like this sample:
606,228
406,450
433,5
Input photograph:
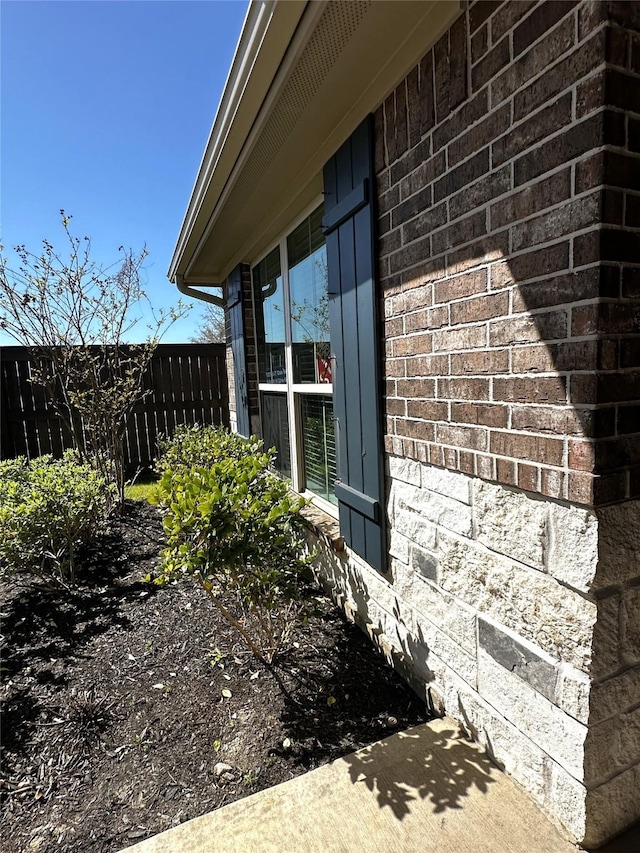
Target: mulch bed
128,709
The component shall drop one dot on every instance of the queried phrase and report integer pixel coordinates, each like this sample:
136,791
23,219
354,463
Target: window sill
324,526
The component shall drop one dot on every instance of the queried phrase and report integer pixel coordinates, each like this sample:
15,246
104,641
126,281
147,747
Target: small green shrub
48,509
235,528
202,446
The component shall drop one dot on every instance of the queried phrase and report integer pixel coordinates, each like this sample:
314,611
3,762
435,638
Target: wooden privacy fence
187,385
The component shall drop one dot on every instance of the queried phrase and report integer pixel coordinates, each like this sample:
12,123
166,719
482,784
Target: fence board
154,423
186,383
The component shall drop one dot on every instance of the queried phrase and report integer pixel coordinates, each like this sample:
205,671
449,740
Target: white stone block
573,546
615,695
510,522
555,732
446,612
406,470
630,617
399,546
391,492
507,746
517,754
416,528
442,677
416,654
445,512
369,586
375,619
573,691
612,806
452,654
395,499
531,603
566,799
607,639
402,494
451,484
600,751
628,751
619,543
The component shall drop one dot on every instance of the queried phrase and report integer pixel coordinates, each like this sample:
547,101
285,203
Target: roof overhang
303,77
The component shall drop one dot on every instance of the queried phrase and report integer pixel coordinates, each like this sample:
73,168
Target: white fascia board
266,33
286,68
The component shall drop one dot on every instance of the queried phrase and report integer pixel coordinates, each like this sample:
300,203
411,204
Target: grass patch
142,488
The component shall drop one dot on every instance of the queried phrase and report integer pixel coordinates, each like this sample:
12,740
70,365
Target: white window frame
291,390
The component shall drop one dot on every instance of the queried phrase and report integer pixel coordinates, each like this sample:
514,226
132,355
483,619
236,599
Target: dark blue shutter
235,307
349,226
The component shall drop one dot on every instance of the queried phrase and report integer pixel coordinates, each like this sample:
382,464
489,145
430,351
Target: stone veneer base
519,617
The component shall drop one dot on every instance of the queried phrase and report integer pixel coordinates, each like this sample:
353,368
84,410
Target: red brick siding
508,166
616,319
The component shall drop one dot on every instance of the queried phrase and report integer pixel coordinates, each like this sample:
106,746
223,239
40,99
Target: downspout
192,291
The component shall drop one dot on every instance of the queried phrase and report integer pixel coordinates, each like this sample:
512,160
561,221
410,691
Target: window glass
269,299
293,351
318,445
309,302
275,430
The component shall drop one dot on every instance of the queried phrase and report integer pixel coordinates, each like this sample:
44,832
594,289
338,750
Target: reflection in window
267,282
294,366
318,445
275,430
309,302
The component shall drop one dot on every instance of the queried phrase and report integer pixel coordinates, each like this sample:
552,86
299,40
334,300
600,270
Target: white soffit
339,65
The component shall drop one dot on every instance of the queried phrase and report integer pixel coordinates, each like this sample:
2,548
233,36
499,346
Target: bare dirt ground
127,709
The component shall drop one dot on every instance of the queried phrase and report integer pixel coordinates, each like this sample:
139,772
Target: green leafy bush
202,446
48,509
235,528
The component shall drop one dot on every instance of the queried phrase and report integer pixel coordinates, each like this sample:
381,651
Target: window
294,365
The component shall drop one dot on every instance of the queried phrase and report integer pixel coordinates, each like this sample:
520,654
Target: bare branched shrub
74,315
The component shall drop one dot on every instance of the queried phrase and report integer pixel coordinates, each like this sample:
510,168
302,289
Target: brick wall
617,318
508,166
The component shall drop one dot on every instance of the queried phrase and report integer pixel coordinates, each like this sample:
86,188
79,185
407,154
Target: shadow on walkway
425,764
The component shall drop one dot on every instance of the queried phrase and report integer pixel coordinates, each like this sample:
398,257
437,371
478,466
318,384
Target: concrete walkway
415,792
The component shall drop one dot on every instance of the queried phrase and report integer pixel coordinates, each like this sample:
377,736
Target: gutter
192,292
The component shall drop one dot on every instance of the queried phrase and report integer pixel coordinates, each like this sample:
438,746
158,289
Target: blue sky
106,109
